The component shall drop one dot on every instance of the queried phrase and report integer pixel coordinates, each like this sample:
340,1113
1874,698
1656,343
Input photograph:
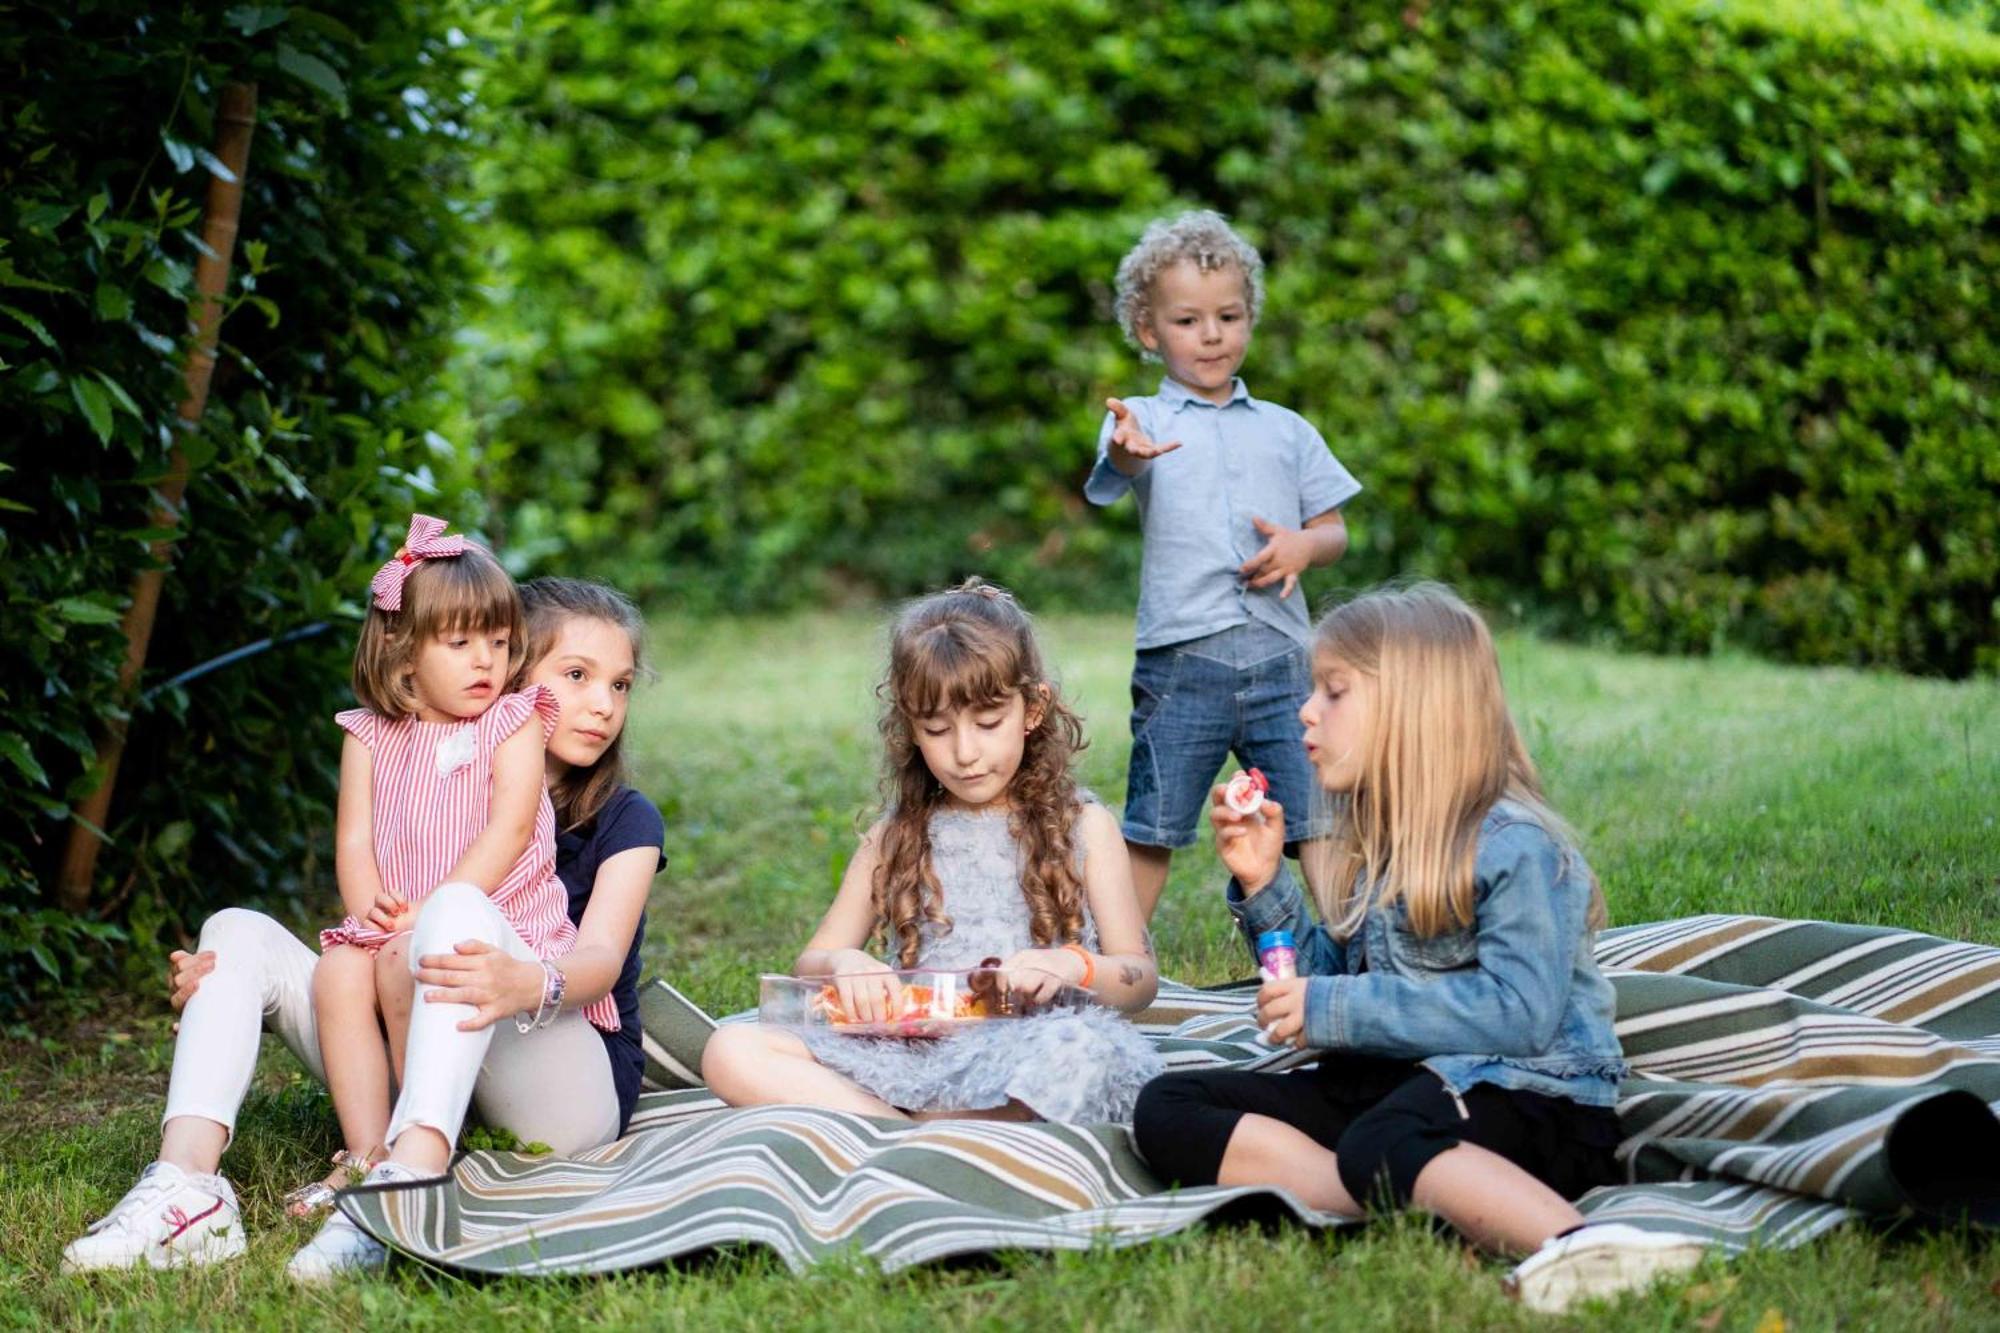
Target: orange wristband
1089,964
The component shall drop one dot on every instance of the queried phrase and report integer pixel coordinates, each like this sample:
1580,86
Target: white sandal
340,1247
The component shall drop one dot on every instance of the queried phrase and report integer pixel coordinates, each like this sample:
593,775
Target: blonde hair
974,646
1438,752
1200,237
581,794
441,595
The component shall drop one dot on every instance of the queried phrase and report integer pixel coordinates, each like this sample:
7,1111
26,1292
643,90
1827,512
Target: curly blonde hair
1201,237
973,646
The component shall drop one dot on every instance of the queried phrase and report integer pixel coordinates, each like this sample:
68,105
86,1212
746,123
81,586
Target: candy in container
1277,960
924,1002
1277,955
1245,792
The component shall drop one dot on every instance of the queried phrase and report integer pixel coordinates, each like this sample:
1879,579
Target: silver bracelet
553,983
550,1005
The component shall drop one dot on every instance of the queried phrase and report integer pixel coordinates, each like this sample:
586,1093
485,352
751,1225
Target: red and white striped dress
432,795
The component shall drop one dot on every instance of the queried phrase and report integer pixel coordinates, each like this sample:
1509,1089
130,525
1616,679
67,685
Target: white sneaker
340,1247
1599,1259
169,1217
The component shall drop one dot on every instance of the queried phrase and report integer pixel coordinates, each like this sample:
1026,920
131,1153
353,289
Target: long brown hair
974,646
1438,752
581,794
468,592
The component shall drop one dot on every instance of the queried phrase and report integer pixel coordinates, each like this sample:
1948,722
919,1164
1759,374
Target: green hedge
1665,320
308,461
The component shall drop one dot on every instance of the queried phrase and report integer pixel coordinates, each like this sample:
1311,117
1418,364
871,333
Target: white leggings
552,1085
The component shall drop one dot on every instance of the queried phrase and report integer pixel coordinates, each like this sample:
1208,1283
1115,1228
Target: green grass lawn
1720,785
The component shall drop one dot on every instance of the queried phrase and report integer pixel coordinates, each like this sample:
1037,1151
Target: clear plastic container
925,1002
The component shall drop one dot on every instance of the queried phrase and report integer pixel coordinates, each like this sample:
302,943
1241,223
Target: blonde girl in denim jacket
1468,1063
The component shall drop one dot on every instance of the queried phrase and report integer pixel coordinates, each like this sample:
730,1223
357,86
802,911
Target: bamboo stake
236,117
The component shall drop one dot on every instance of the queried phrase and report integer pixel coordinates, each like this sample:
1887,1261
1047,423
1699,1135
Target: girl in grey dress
986,849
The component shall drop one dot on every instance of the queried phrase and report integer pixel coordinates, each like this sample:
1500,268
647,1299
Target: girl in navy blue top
584,643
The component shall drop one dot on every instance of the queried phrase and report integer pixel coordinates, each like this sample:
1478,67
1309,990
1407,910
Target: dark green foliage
306,464
1665,320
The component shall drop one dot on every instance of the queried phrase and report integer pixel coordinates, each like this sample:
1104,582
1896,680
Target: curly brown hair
973,646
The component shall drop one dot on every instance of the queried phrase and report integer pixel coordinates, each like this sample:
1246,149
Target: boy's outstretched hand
1129,448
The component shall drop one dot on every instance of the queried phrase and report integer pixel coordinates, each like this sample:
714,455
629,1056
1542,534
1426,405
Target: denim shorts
1193,704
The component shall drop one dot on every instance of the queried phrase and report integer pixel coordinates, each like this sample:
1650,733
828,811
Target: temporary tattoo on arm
1130,973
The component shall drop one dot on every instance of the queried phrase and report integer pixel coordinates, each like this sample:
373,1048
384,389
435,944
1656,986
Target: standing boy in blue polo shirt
1237,497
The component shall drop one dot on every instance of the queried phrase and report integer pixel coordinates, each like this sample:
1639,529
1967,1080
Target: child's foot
169,1217
316,1199
340,1247
1600,1259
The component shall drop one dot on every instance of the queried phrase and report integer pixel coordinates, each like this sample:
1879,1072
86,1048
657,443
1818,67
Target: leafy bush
1663,319
305,465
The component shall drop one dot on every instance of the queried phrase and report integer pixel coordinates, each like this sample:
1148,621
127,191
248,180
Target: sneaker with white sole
340,1247
1599,1260
169,1217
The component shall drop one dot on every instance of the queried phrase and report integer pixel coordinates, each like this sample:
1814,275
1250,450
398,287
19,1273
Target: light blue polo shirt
1243,460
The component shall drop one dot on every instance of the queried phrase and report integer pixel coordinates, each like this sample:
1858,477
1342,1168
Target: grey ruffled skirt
1072,1067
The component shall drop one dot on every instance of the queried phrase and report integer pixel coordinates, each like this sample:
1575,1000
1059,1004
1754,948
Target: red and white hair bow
425,542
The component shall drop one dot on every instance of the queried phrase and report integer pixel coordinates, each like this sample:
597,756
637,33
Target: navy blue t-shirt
627,820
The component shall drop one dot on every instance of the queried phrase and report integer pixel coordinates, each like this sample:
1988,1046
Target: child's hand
184,973
1286,554
1129,447
1281,1011
387,913
1250,845
868,989
1037,974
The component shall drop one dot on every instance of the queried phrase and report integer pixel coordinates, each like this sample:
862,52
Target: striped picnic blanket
1786,1076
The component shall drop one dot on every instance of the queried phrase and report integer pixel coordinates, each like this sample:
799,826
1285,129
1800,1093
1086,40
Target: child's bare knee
729,1051
341,973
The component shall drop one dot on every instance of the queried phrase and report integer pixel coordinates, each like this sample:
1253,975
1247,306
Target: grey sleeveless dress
1078,1068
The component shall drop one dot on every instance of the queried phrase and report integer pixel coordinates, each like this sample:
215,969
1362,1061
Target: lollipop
1245,792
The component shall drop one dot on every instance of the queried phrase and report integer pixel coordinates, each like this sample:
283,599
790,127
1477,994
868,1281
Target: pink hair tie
425,542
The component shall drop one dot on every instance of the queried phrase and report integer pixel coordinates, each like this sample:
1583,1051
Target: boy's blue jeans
1193,704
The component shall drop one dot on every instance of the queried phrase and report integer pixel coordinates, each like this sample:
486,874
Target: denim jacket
1515,999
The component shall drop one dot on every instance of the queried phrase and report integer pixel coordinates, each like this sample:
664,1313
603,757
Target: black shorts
1384,1120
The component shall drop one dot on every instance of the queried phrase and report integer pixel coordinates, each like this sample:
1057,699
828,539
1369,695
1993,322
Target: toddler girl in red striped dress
441,782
